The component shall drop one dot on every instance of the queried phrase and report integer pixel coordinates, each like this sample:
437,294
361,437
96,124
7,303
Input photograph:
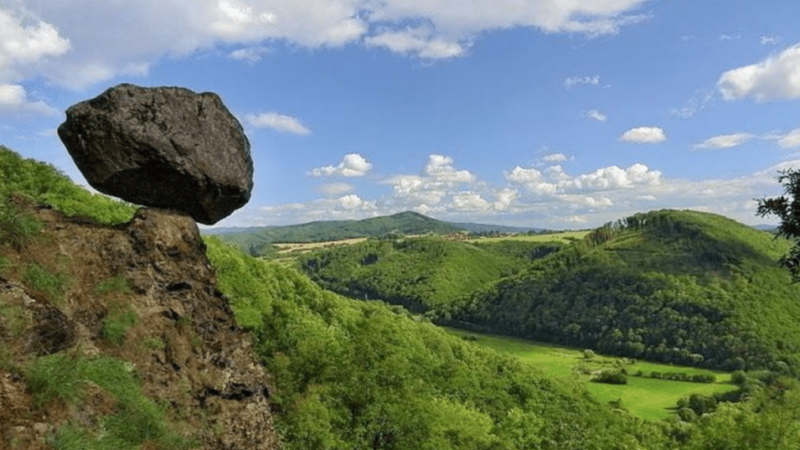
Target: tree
787,208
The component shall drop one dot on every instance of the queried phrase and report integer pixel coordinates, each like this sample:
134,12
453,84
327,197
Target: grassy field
644,397
565,237
308,246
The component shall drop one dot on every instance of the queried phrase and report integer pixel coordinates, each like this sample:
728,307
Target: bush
611,377
588,354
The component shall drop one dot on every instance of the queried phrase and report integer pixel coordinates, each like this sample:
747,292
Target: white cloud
351,201
335,189
724,141
469,201
790,139
26,41
775,78
352,165
596,115
571,82
555,181
249,55
554,157
440,168
109,39
504,198
14,100
277,122
644,135
418,42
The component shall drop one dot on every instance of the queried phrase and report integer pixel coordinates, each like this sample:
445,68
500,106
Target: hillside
418,273
117,331
403,223
672,286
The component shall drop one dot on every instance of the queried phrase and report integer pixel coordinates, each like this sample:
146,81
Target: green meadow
564,237
643,396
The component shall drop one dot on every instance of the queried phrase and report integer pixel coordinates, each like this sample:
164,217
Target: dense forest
362,374
419,273
673,286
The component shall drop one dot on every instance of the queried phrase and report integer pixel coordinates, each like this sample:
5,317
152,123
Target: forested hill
675,286
405,222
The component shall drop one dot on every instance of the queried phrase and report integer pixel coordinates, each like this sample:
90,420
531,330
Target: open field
644,397
308,246
565,237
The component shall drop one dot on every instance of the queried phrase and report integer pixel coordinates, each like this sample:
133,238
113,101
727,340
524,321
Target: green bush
611,377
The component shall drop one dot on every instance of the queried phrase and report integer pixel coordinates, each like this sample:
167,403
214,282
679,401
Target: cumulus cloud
440,168
417,42
14,100
277,122
596,115
469,201
571,82
352,165
775,78
724,141
556,181
644,135
108,39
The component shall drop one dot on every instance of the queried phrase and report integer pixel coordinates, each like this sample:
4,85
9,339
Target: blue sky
545,113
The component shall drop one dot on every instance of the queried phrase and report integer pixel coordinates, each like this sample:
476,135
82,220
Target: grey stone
165,147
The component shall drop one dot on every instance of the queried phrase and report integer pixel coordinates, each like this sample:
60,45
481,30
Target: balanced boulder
165,147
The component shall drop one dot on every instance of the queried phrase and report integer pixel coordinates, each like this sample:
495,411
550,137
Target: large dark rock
165,147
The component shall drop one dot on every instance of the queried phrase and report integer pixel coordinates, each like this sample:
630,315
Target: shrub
588,354
611,377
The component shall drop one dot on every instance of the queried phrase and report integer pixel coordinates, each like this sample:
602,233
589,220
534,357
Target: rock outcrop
184,346
165,147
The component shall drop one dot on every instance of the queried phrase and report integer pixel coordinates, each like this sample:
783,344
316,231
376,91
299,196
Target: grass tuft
55,285
121,317
116,283
139,420
17,228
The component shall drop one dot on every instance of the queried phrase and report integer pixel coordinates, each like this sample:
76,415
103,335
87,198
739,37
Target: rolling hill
672,286
418,273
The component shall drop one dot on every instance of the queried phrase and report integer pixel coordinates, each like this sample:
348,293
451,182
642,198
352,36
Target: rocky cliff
78,300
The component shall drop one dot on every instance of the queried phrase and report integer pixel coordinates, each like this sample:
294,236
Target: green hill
419,273
345,373
673,286
401,223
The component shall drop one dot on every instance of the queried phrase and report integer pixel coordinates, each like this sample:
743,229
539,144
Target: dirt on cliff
142,295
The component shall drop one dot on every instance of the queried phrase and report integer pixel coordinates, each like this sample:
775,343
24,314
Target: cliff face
142,295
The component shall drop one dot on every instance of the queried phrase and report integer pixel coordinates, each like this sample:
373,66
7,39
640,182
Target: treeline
418,273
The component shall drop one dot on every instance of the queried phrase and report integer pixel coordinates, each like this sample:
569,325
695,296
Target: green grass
139,420
121,317
55,285
14,319
644,397
564,237
117,284
17,228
